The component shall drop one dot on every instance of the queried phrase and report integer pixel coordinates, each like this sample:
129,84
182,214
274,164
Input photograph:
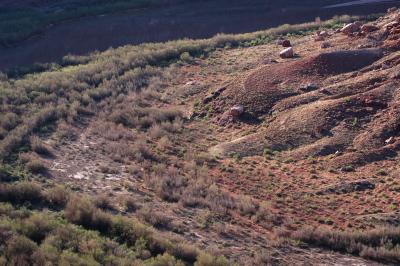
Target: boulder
351,28
389,141
236,111
308,87
287,53
323,33
230,116
286,43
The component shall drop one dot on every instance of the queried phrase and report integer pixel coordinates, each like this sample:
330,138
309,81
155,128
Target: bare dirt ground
303,187
162,24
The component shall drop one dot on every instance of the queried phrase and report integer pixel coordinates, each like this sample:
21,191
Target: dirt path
133,27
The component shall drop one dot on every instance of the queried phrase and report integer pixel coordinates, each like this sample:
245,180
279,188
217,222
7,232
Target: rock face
287,53
351,28
321,36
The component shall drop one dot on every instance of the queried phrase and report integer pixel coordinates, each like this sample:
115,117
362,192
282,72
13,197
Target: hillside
208,152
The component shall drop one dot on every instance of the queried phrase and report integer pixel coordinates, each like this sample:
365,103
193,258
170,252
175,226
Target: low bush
21,192
39,147
37,227
157,219
7,173
9,121
208,260
103,202
57,196
36,166
381,244
83,212
20,251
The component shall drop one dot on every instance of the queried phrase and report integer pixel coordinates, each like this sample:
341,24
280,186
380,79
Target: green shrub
208,260
37,227
165,260
20,251
82,211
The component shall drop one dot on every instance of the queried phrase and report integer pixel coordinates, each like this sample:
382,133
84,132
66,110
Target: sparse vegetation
377,244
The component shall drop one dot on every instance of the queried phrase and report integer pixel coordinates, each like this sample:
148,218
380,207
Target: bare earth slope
351,110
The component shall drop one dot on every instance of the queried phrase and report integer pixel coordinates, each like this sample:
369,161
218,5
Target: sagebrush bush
103,201
66,132
57,196
157,219
36,166
164,260
37,227
382,244
9,121
83,212
20,251
169,187
131,205
246,205
8,174
21,192
39,147
207,260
